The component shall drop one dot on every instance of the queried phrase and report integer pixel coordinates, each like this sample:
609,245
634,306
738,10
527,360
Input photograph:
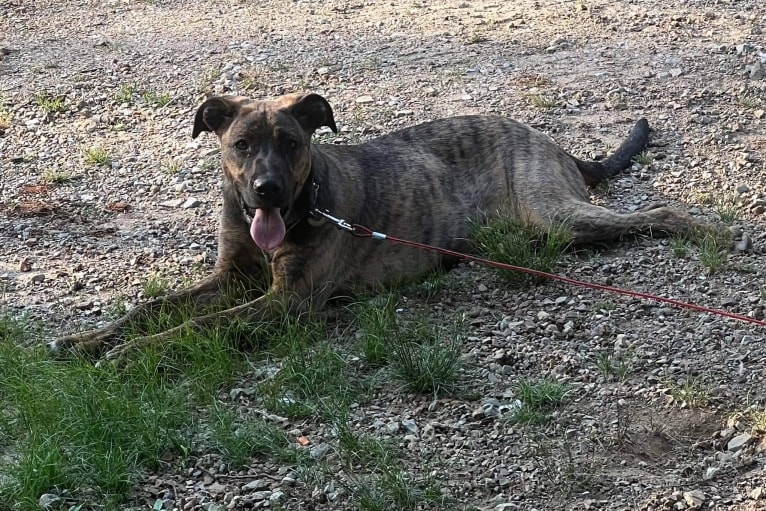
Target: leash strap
361,231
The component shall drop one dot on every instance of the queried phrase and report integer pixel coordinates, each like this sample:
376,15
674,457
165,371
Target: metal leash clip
339,222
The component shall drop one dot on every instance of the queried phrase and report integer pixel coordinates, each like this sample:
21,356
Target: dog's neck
305,203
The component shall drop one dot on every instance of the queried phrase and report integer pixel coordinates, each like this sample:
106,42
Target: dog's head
265,153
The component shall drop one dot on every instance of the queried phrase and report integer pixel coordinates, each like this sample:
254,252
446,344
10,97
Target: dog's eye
291,143
241,145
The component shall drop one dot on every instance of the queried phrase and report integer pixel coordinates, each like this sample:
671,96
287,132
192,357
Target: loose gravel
78,238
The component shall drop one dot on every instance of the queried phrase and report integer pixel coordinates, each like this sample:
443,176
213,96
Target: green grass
425,357
680,246
95,432
238,439
57,177
505,240
689,393
377,321
538,398
155,286
726,207
713,252
155,98
313,374
613,365
541,101
50,104
643,158
77,426
125,93
96,156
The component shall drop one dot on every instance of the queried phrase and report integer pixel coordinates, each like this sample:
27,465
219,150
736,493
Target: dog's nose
267,188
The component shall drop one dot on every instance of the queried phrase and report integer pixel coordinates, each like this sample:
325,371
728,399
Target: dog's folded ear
215,114
312,111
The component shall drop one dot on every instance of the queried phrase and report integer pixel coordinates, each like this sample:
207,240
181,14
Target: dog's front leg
297,286
92,342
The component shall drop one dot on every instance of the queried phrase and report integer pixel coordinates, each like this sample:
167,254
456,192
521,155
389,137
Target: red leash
364,232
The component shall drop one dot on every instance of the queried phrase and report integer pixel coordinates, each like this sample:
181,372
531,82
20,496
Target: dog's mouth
267,225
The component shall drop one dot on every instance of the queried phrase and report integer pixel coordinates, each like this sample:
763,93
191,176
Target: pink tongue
267,229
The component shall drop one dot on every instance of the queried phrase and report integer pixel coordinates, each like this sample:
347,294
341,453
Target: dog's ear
215,115
313,111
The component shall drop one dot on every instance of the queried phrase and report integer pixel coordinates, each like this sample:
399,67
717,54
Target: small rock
172,203
756,493
507,506
410,426
694,498
25,265
276,496
756,71
38,279
744,245
324,70
676,72
363,100
260,495
758,114
191,202
392,427
49,501
404,113
738,442
256,484
319,451
711,472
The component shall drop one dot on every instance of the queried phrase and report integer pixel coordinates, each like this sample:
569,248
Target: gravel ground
78,237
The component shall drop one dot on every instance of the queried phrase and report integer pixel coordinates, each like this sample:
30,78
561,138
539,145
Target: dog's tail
597,171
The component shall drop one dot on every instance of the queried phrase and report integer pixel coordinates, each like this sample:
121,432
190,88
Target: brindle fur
422,183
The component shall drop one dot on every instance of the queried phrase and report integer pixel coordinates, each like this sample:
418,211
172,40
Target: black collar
304,205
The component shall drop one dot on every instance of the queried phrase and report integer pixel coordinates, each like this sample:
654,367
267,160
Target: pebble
172,203
319,451
410,426
738,442
694,498
191,202
49,501
256,484
363,100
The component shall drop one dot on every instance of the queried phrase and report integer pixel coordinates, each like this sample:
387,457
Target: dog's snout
267,188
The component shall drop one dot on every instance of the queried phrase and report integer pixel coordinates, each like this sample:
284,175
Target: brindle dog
425,183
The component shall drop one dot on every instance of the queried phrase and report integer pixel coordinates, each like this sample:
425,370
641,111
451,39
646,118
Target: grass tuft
377,321
50,104
96,156
155,286
613,365
541,101
426,357
679,244
155,98
125,94
57,177
689,393
505,240
538,397
727,210
713,252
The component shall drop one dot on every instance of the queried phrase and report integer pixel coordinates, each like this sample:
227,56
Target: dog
428,183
